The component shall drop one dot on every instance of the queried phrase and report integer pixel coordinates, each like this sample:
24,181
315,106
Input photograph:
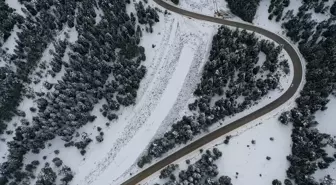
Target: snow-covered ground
207,7
261,17
248,159
325,118
327,125
15,4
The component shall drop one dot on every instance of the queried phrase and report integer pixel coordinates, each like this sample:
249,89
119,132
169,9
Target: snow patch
15,4
99,14
10,43
326,119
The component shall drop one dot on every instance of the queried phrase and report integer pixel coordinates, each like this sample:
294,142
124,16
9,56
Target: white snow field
206,7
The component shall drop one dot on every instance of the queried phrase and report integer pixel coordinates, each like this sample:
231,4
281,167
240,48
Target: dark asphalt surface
298,74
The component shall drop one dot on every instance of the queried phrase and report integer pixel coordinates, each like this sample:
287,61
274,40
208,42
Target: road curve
298,76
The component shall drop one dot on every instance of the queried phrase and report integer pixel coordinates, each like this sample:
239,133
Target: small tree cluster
46,176
306,150
66,174
276,9
276,182
277,6
327,180
204,171
84,143
168,171
100,138
56,62
147,16
246,10
57,161
11,91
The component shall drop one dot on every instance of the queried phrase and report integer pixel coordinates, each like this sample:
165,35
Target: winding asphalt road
294,55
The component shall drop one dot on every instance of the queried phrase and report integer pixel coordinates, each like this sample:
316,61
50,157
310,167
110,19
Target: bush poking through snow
276,182
57,161
168,171
46,176
327,180
175,1
288,182
99,138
